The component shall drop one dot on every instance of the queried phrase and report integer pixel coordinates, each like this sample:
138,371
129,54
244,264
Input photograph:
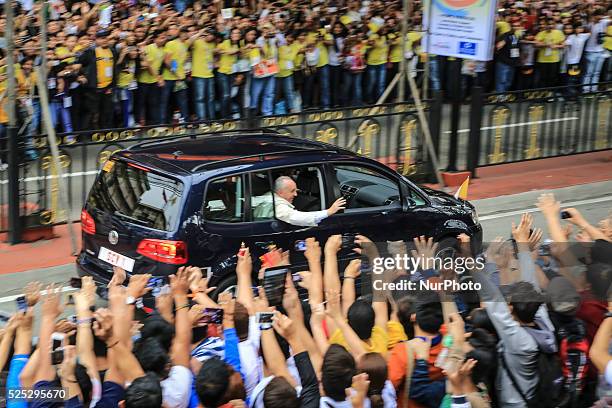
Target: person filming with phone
285,190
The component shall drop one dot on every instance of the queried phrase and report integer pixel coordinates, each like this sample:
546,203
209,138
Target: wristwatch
130,300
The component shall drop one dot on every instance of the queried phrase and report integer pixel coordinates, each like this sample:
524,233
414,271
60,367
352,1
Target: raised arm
293,307
313,256
351,272
273,355
7,339
244,270
599,349
180,352
51,309
83,301
334,312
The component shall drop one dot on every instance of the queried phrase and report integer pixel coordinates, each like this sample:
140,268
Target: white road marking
535,122
39,178
12,298
531,210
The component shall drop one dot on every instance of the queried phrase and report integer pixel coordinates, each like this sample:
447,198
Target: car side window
416,198
310,197
363,187
262,199
224,200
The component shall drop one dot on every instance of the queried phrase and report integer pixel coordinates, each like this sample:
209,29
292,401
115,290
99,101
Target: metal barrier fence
541,123
390,133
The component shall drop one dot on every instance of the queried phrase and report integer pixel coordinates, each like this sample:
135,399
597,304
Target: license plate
116,259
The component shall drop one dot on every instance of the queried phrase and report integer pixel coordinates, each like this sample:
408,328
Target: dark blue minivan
194,200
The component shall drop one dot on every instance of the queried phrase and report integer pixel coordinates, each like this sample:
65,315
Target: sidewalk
491,181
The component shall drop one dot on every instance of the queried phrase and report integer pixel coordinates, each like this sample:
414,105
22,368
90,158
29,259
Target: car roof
196,154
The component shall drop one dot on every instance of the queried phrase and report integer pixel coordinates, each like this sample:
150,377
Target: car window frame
186,191
248,220
388,173
244,205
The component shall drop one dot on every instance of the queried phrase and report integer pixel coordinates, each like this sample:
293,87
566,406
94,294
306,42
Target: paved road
593,200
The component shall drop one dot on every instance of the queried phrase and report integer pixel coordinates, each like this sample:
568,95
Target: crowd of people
537,332
125,63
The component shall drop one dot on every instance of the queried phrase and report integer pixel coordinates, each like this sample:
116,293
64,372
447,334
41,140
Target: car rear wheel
226,283
447,247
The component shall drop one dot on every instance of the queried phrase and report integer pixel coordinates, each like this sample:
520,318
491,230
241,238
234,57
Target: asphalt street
594,201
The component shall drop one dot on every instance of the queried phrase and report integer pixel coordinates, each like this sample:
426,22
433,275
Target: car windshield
137,195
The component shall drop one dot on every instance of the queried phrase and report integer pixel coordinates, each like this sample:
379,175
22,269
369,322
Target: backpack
574,352
550,390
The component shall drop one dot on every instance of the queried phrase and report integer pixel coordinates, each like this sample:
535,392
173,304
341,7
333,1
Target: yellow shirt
395,333
503,27
378,341
413,37
395,51
287,55
299,57
25,84
104,66
226,61
19,83
61,51
127,74
546,54
202,58
313,37
178,52
377,53
608,40
155,59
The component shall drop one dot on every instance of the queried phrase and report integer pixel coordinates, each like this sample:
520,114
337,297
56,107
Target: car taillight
88,225
171,252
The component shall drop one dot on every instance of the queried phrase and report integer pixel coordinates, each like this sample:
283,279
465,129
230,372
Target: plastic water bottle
447,342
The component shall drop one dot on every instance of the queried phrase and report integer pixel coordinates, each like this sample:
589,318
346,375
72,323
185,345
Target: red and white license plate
116,259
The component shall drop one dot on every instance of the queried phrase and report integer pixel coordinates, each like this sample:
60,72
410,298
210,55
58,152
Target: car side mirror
408,203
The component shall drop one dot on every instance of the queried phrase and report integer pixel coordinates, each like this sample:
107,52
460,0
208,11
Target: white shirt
250,363
285,211
600,27
176,389
575,45
334,57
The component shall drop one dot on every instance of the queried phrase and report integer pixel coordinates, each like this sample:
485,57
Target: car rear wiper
146,223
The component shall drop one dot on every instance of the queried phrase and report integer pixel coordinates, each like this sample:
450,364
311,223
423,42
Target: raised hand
548,205
245,262
339,204
333,244
353,269
118,278
360,385
521,232
534,239
138,285
313,250
32,293
283,325
103,325
51,306
179,283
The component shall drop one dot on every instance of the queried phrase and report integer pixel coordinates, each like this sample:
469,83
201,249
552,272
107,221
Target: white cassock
285,211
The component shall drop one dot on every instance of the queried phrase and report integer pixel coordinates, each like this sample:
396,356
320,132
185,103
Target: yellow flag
462,192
